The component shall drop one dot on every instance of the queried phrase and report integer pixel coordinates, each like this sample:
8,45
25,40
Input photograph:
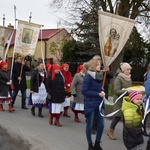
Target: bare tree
134,9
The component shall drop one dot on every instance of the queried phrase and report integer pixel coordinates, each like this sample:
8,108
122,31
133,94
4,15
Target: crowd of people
53,86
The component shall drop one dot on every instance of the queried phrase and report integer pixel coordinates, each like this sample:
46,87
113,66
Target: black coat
36,80
16,74
56,88
132,137
4,88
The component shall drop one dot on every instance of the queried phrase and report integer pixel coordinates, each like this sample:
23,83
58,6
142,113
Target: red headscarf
2,64
48,68
64,65
79,68
53,67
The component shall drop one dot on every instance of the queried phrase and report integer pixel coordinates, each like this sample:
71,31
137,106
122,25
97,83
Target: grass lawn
28,84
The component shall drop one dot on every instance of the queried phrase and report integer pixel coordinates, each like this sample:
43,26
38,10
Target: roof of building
46,34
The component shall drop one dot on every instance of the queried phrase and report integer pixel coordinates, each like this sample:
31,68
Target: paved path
42,136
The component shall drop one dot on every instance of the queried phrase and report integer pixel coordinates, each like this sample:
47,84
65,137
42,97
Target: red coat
68,79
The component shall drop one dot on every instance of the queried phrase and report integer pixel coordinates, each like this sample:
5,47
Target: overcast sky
41,12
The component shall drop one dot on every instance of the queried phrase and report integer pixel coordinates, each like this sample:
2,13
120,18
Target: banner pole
104,79
21,71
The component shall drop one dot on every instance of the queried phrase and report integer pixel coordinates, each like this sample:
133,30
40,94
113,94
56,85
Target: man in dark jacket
19,80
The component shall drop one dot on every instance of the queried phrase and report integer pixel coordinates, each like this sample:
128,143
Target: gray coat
119,84
77,88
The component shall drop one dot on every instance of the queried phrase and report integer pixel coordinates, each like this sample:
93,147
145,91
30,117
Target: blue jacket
147,85
91,89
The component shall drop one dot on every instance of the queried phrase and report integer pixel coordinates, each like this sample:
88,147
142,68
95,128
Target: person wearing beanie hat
5,90
121,82
78,100
55,88
125,66
68,80
133,113
134,95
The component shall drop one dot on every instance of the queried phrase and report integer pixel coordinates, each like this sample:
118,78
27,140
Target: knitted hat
124,66
135,94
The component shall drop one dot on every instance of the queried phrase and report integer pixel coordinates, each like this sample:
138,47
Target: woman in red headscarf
68,79
48,68
78,101
5,91
55,88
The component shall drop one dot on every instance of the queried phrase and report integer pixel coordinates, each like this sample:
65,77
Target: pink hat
135,94
124,66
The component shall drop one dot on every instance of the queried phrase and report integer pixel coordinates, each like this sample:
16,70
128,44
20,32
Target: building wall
58,38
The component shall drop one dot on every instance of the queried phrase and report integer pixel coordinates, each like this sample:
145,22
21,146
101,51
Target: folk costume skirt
38,99
78,106
56,108
67,101
5,100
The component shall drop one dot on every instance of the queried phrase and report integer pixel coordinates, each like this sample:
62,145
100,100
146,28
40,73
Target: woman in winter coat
5,91
55,88
122,81
93,97
78,101
37,89
133,113
68,80
147,91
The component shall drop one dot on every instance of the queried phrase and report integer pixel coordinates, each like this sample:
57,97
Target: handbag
11,86
48,96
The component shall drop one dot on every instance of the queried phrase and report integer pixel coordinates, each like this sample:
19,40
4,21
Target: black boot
91,147
145,132
33,110
40,113
97,146
148,145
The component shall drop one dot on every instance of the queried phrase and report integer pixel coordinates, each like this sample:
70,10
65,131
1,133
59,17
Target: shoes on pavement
24,107
145,133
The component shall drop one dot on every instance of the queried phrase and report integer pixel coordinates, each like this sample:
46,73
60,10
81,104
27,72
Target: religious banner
114,32
4,36
26,38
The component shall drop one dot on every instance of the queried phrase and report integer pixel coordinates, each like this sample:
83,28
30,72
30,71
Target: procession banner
26,38
5,33
114,32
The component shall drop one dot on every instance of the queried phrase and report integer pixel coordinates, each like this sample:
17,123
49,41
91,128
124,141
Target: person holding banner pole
122,81
93,96
109,75
19,80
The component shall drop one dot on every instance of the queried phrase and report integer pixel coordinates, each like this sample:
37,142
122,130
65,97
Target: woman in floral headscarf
55,88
